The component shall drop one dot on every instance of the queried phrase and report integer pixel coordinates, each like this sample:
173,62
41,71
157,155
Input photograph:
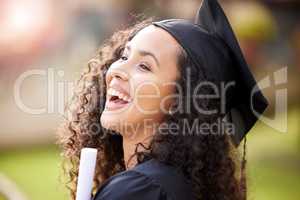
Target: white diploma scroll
86,173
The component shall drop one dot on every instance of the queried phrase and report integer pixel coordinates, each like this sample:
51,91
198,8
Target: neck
130,140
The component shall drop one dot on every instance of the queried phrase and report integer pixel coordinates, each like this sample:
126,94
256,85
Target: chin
114,122
110,122
122,123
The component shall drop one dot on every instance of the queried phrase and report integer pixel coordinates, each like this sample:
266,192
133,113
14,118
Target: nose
117,74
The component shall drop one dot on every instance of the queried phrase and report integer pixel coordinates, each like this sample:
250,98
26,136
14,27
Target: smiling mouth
117,99
116,103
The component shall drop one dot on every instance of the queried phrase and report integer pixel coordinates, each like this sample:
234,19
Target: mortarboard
210,32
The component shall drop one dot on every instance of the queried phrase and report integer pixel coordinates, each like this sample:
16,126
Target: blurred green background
67,33
273,166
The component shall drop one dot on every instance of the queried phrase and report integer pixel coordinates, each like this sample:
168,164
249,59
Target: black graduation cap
211,31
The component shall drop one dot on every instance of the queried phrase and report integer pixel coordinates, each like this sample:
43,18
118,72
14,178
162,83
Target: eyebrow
144,53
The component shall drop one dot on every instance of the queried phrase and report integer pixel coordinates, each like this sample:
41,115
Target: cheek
153,97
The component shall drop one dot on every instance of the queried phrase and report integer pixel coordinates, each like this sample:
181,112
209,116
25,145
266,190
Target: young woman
166,104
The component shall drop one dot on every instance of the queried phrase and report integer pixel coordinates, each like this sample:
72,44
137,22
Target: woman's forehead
155,38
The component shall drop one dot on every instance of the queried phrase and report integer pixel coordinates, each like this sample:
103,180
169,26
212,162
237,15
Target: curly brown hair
208,161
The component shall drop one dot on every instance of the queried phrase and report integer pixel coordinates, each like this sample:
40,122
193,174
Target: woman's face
141,84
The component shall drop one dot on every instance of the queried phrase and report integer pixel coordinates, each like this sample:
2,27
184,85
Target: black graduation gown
150,180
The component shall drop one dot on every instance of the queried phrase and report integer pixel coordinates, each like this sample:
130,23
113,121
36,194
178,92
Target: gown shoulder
130,185
150,180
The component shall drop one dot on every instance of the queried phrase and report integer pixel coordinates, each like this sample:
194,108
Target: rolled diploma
86,173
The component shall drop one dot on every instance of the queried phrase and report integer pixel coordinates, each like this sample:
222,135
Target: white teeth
114,92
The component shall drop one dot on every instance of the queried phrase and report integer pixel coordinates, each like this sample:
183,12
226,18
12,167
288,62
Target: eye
144,67
123,57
